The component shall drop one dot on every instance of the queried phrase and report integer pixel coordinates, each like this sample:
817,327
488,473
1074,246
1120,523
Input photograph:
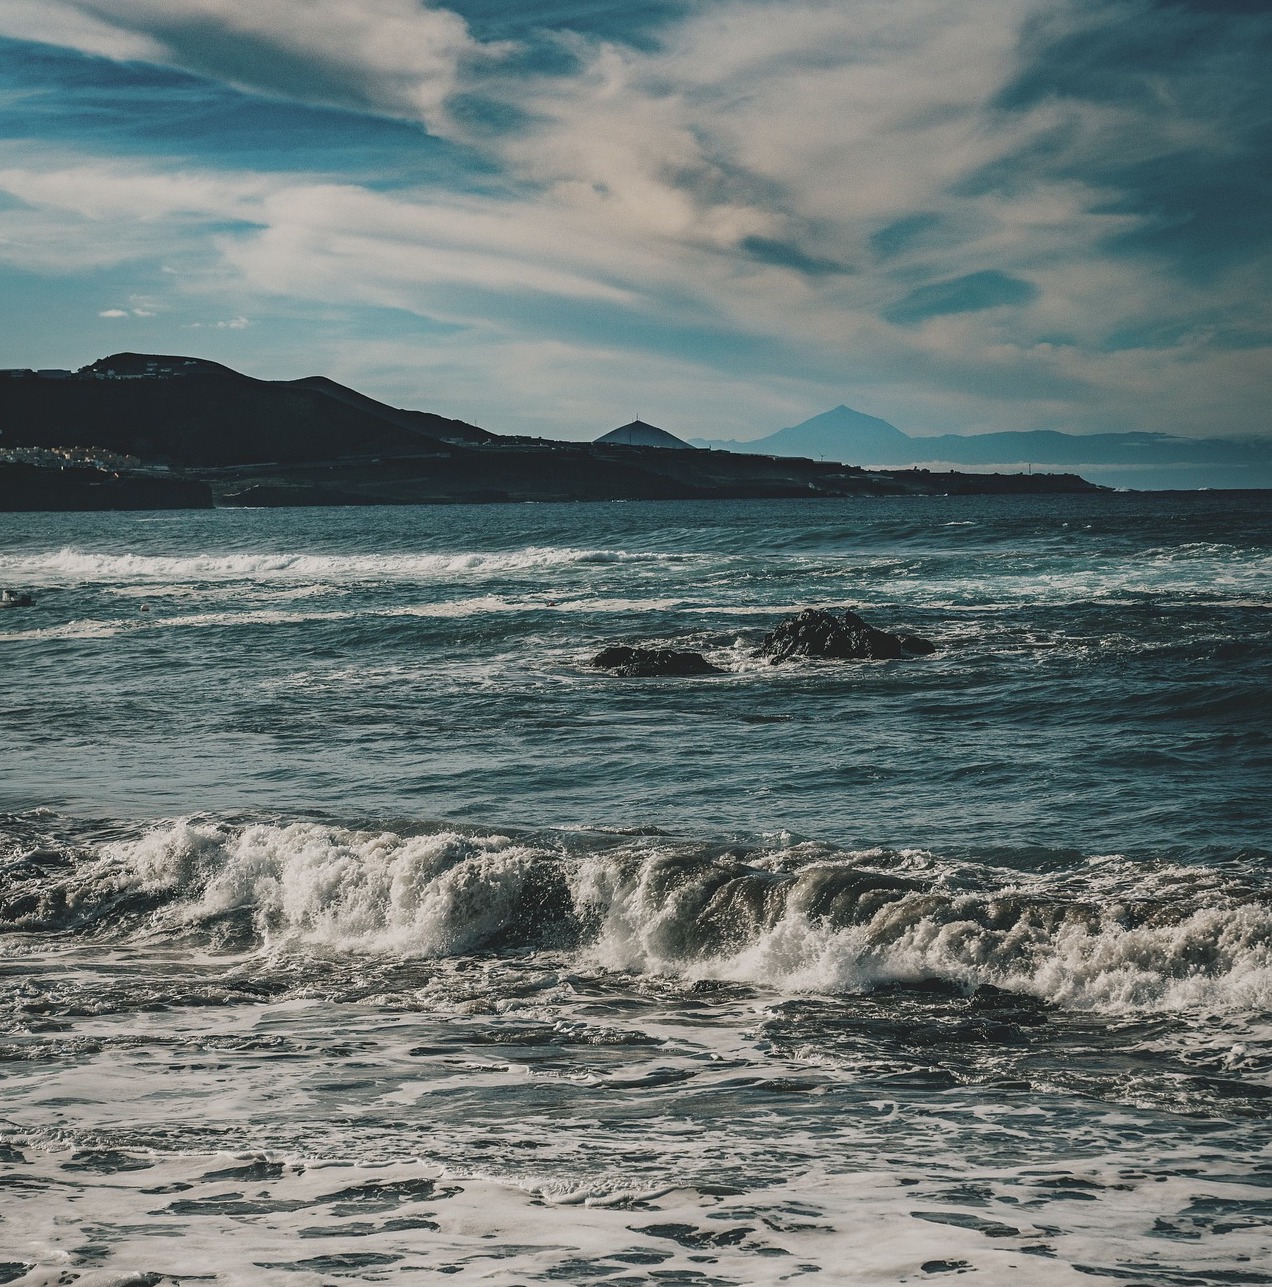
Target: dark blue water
324,845
1103,678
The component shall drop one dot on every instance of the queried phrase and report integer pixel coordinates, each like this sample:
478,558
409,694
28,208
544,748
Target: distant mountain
827,435
1130,459
639,434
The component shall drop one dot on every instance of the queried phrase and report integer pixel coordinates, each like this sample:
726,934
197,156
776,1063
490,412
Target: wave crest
1101,934
75,566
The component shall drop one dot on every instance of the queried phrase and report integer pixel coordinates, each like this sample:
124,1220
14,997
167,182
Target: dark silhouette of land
150,431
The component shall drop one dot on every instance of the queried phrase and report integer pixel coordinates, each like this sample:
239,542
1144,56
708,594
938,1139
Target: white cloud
58,22
387,249
228,324
729,182
763,119
78,213
100,191
397,56
113,312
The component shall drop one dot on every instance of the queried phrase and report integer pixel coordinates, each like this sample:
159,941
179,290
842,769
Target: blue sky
726,215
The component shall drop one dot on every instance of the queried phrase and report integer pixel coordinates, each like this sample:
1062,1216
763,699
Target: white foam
1112,935
1214,956
305,884
73,566
870,1221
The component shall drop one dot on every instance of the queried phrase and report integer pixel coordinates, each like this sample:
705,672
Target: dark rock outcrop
641,663
917,645
840,636
15,599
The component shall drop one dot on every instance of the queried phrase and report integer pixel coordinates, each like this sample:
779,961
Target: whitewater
354,928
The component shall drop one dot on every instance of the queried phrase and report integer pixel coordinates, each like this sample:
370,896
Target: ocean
353,928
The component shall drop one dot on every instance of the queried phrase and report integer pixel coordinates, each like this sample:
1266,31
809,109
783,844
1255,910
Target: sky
549,216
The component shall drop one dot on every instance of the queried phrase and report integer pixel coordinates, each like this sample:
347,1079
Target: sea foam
75,566
1103,933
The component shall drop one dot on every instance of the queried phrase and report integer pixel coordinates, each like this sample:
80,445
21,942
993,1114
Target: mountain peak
838,434
640,434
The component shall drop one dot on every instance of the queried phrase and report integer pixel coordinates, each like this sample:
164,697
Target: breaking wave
75,566
1090,933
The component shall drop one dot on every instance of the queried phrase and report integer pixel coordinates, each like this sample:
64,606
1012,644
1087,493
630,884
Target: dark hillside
193,413
419,422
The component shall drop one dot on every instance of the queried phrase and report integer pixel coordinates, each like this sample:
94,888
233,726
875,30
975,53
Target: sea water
353,928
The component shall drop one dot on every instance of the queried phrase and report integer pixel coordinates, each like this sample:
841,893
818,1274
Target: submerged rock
15,599
838,635
640,663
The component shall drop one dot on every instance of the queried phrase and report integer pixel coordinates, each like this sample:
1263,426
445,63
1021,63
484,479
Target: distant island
1150,460
149,431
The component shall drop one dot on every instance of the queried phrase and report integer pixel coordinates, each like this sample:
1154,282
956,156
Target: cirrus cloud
955,217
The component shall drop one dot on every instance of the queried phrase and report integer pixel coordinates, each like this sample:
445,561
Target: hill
194,413
639,434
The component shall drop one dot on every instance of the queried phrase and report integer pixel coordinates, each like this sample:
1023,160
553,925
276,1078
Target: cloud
113,312
396,56
227,324
57,23
71,214
102,191
989,216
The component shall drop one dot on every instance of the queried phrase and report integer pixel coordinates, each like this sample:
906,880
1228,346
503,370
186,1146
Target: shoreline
81,488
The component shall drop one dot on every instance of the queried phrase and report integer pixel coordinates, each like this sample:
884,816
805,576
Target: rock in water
838,635
15,599
915,644
640,663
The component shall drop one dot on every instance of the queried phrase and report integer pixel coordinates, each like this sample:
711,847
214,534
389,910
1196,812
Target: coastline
514,477
187,433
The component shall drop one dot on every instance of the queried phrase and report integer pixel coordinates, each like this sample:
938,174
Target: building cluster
68,458
150,370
